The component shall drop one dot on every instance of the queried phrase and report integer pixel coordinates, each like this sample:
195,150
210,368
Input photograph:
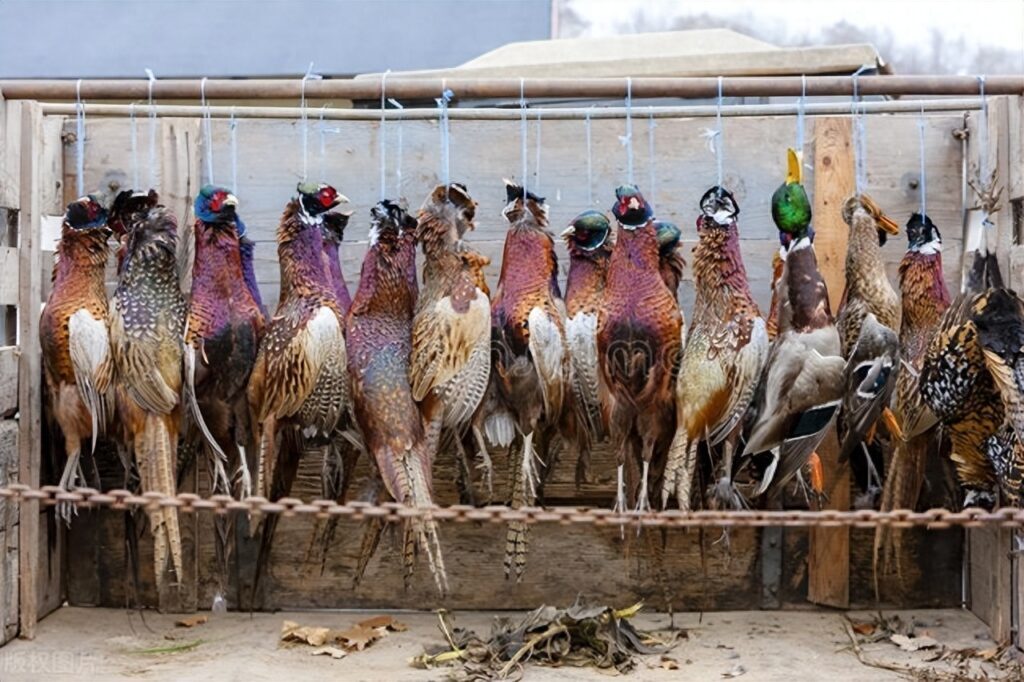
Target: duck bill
794,167
883,221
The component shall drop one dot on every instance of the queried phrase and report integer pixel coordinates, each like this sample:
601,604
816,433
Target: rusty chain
1007,517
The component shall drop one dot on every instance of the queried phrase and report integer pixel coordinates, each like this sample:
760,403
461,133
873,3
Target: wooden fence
89,565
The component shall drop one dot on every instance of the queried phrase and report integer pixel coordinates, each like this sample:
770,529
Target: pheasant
868,324
147,324
246,248
589,255
380,333
299,386
723,357
531,372
451,330
639,336
802,382
670,262
75,337
333,228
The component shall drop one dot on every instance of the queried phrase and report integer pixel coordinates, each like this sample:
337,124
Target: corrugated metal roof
714,52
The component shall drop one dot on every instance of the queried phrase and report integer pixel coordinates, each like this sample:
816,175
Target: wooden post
829,552
29,389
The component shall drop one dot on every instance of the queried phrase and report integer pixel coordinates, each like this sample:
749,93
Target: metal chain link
1007,517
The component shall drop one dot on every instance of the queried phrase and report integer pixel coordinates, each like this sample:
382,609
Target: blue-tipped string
398,150
152,130
801,104
135,145
923,184
651,159
233,128
207,132
305,119
719,151
590,160
442,104
536,170
322,151
628,139
79,140
859,143
383,136
523,131
983,133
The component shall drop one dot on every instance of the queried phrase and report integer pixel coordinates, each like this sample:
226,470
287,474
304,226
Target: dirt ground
108,644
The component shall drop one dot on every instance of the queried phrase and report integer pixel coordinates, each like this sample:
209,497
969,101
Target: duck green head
791,209
668,235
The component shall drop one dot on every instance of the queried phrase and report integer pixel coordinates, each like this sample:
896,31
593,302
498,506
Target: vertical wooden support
29,408
829,551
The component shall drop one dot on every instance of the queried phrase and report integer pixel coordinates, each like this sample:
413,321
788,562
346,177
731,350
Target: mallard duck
724,353
802,383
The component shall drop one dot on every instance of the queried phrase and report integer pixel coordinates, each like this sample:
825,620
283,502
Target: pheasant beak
794,166
231,200
341,199
568,231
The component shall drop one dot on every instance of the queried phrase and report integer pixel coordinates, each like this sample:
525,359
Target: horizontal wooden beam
488,88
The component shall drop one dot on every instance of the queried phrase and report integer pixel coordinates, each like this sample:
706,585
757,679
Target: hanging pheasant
639,336
531,372
147,324
333,229
380,336
75,337
724,354
670,260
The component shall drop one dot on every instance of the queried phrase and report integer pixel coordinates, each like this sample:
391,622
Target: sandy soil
107,644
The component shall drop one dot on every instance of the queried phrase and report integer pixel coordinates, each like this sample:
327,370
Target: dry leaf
383,622
669,663
305,634
987,654
332,651
191,622
735,671
913,643
864,628
358,637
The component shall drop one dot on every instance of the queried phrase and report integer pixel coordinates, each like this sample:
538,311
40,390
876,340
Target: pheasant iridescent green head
588,231
791,209
86,214
668,235
316,199
922,235
718,209
215,205
631,209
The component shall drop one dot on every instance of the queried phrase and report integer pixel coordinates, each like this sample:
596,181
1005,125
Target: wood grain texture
8,381
829,552
9,275
8,533
10,153
990,579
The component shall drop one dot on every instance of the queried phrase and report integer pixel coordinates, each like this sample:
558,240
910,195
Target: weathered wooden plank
8,275
51,161
10,153
8,532
29,389
829,553
8,380
990,579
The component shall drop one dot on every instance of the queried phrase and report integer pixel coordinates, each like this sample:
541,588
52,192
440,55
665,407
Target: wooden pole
829,552
509,88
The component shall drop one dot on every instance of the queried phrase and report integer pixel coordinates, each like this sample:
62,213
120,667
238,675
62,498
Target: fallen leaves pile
581,635
339,643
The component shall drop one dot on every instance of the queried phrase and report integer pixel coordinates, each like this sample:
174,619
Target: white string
983,133
651,160
152,131
383,136
718,134
590,161
207,132
322,129
233,127
536,171
398,151
628,139
523,130
800,106
859,145
79,139
442,103
135,145
923,180
305,119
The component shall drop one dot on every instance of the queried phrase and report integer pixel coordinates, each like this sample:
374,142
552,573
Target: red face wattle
217,201
328,196
93,209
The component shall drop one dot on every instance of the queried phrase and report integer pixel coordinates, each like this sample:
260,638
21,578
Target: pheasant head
216,206
587,233
631,209
316,199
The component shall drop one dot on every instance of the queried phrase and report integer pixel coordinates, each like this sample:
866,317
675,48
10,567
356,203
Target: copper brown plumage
724,354
639,337
531,373
75,337
380,341
147,321
451,331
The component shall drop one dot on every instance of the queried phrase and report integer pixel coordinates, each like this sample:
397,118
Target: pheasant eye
327,197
